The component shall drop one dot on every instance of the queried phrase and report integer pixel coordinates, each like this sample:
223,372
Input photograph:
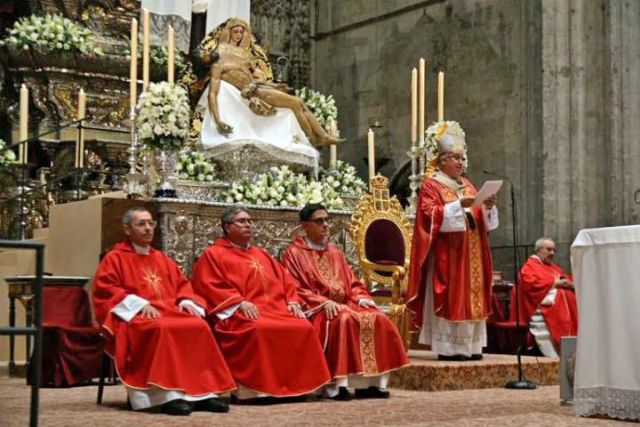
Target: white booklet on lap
488,189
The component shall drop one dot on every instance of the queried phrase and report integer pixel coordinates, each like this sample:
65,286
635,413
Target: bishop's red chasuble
176,351
277,354
358,340
536,279
462,268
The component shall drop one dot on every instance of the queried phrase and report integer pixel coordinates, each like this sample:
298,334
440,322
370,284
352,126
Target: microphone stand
521,383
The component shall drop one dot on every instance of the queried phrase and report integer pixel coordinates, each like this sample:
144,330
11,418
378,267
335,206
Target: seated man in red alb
361,344
270,347
164,351
547,299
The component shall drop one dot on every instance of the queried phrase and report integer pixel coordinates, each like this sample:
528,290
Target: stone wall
489,51
546,91
591,105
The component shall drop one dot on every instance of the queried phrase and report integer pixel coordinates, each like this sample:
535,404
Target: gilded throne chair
381,234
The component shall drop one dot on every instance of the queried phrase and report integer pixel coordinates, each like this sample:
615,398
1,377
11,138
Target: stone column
591,64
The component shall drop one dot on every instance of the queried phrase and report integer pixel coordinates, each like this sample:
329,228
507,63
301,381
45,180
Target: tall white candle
145,49
133,69
171,59
414,106
82,112
423,90
333,159
440,96
371,155
23,151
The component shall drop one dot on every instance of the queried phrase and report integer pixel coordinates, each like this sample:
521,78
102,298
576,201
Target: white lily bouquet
194,166
51,33
322,106
7,156
280,186
163,116
343,179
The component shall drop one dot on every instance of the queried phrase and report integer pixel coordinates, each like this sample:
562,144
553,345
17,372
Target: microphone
521,383
497,175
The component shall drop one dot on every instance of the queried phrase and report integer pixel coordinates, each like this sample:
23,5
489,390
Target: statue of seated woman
242,103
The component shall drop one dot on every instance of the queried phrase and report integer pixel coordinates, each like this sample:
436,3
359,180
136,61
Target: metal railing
36,329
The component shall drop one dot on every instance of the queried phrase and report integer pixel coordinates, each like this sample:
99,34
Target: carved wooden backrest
380,231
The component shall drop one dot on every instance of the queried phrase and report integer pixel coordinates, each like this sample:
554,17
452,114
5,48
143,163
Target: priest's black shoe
343,394
476,356
454,358
211,405
372,393
177,407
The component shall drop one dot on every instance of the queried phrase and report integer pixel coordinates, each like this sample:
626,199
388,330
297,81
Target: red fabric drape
72,343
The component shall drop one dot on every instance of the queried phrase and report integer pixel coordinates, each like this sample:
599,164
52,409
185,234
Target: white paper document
488,189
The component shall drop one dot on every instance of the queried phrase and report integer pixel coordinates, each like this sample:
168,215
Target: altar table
606,270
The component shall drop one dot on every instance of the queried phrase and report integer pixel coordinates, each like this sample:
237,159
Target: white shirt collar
315,246
142,250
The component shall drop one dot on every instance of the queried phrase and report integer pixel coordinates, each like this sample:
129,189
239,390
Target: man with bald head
270,347
164,351
547,298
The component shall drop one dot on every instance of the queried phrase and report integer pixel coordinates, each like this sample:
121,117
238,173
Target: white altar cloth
279,135
606,270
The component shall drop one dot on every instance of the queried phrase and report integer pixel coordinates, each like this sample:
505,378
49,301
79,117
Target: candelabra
418,156
136,183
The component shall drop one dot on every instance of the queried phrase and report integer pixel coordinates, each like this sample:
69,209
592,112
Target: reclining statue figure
236,58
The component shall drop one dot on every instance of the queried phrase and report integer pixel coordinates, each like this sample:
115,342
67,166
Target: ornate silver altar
248,159
187,227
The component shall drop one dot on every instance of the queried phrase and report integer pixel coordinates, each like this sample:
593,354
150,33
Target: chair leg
106,363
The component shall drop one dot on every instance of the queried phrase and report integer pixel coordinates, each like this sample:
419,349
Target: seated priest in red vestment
270,347
450,276
547,299
164,351
361,344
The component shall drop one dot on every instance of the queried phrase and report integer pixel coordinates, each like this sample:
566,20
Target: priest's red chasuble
536,279
462,268
277,354
358,340
176,351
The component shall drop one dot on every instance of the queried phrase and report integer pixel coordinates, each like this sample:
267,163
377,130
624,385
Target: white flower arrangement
51,33
7,156
343,179
280,186
322,106
163,116
193,166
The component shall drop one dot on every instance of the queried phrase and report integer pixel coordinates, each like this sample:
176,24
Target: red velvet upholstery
384,243
65,307
72,344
